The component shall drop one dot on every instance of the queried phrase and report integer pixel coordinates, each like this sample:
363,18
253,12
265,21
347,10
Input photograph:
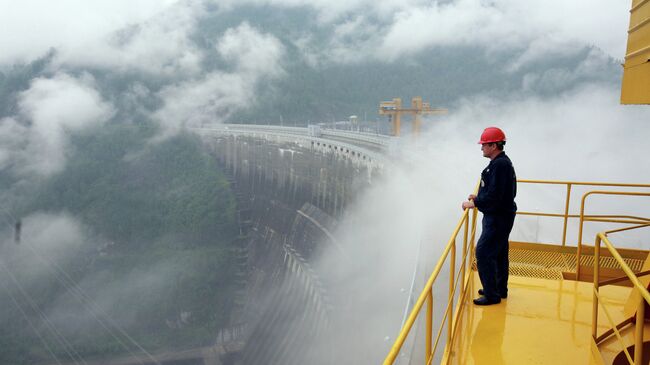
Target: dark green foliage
441,76
141,196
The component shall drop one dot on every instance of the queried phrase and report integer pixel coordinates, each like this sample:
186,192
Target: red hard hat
491,135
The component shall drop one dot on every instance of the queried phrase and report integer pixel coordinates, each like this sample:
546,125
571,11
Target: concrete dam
292,186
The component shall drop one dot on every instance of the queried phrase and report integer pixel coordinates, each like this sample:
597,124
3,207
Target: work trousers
492,254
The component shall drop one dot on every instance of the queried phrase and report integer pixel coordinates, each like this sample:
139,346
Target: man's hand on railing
470,202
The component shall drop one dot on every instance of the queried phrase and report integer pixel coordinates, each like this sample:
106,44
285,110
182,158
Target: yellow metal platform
543,321
568,303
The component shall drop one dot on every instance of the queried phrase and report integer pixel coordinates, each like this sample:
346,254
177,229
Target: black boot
486,301
503,296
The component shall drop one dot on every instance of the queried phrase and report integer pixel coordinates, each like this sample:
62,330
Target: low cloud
46,239
159,45
56,247
533,28
155,36
596,66
251,51
12,139
207,100
250,54
65,25
50,108
389,30
54,234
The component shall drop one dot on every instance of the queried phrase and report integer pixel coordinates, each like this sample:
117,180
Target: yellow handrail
582,183
566,215
624,219
469,222
583,218
427,294
637,286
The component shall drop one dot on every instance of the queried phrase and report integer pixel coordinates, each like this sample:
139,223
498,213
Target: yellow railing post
429,325
594,318
472,239
582,222
579,248
566,212
452,271
464,255
638,345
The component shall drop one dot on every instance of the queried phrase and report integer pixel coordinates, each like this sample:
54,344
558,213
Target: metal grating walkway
536,263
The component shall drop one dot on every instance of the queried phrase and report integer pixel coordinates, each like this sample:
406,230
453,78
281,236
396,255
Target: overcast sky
31,27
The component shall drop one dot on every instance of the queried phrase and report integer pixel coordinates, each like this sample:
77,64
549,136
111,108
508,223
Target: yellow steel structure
548,317
418,108
643,297
541,322
636,74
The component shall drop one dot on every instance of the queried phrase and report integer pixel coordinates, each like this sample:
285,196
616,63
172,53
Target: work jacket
496,194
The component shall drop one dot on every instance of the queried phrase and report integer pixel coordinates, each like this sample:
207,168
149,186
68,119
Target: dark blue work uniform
496,200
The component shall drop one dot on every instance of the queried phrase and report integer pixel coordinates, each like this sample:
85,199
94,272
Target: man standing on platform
496,200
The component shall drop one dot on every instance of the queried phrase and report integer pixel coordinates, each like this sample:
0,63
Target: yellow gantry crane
394,111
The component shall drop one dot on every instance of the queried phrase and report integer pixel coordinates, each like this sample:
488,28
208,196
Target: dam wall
291,192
